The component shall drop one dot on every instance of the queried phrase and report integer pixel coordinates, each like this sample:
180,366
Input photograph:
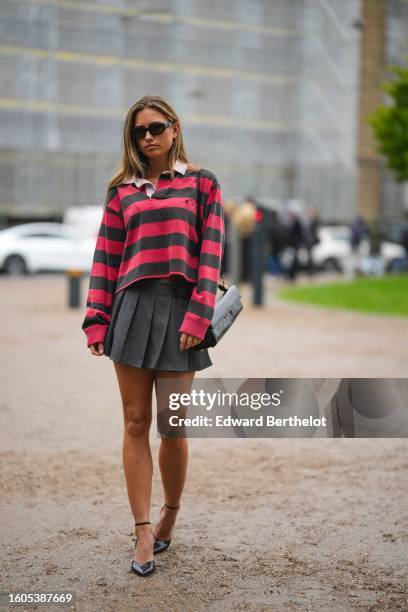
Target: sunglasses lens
154,128
139,132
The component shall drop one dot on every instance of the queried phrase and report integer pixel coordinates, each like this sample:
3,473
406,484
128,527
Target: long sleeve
107,258
200,310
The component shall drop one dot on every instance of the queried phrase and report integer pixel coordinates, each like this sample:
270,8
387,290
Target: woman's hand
97,349
187,341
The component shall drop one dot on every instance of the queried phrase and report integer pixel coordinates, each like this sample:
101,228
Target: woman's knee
137,422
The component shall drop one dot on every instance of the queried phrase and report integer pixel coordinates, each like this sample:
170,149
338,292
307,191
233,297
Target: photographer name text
260,421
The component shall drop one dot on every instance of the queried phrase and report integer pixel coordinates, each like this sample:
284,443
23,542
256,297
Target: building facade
267,92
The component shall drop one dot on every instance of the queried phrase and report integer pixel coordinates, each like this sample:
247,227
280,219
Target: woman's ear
176,128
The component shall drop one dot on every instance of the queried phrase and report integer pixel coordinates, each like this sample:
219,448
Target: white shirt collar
178,165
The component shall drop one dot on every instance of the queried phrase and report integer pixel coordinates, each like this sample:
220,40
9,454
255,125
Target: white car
33,247
334,249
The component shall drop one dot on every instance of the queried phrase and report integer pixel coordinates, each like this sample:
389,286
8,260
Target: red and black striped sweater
142,236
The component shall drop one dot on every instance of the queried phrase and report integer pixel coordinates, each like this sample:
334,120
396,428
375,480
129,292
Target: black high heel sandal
162,545
143,569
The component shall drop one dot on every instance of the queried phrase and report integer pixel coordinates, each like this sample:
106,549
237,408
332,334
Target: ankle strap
145,523
171,507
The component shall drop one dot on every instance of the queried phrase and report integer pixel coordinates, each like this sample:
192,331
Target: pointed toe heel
143,569
162,545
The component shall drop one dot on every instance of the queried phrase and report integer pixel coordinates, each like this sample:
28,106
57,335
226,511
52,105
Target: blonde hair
134,162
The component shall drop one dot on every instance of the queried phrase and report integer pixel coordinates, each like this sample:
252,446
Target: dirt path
265,524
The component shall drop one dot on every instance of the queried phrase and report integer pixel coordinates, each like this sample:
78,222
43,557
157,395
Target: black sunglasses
155,128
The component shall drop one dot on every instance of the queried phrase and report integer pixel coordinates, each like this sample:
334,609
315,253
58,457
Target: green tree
390,123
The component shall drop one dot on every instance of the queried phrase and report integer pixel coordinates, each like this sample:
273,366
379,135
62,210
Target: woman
151,298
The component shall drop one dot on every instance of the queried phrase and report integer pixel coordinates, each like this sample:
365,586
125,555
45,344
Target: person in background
276,239
358,233
294,242
311,237
375,261
244,219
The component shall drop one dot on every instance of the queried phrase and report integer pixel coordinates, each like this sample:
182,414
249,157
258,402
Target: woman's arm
105,270
200,310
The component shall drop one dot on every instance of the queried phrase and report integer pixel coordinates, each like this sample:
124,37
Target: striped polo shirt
149,232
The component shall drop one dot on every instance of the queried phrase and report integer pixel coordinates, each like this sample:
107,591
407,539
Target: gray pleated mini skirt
143,331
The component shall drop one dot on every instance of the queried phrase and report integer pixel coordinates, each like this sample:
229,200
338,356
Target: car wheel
331,265
15,265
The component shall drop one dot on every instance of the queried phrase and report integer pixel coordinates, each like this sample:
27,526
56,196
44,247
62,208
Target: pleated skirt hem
144,331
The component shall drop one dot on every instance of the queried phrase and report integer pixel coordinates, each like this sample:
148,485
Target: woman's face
154,147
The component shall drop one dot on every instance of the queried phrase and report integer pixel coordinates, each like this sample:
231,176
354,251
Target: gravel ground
288,524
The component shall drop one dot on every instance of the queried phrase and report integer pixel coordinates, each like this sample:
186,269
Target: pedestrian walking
358,232
293,244
311,237
375,262
151,298
276,238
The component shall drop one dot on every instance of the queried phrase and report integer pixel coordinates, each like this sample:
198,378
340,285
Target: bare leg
136,385
173,459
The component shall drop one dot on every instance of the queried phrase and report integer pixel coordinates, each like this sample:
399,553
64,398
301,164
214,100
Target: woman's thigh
136,386
179,381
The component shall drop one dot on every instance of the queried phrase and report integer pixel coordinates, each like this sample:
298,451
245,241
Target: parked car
334,248
34,247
